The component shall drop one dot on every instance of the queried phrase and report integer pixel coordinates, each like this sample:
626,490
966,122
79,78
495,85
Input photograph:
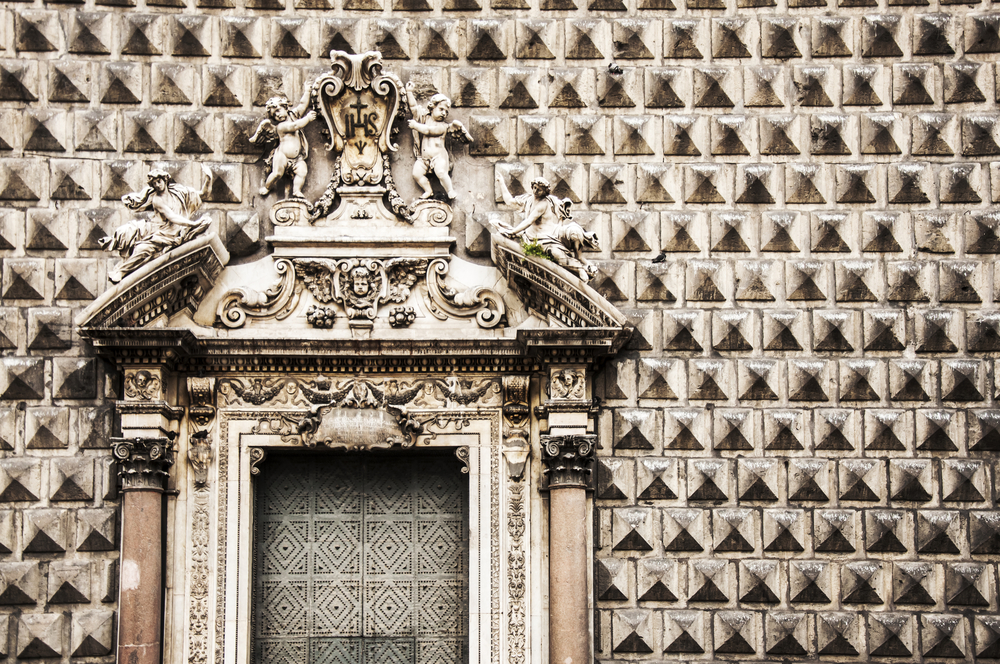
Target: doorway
361,558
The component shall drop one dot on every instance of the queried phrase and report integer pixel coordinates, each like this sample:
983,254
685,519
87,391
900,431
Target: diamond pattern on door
361,560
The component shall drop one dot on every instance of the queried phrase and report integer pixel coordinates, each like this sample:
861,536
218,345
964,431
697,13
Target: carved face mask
360,282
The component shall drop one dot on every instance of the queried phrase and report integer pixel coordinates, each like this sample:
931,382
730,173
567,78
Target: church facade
499,331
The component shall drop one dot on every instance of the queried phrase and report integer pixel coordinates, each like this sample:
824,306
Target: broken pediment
360,264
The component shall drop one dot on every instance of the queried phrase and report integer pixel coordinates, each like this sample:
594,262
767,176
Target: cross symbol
358,105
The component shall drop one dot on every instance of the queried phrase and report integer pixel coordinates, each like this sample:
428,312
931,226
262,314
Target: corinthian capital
144,463
568,459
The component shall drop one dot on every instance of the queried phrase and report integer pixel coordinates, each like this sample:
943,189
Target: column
567,460
143,468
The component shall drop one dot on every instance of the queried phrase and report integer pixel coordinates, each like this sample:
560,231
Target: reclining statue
547,221
141,240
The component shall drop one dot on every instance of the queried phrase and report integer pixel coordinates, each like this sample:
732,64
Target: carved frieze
449,392
360,287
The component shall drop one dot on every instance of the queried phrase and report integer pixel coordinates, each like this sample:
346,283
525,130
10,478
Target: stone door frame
216,554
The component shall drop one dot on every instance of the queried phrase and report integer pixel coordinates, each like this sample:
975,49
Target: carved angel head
361,281
439,106
277,108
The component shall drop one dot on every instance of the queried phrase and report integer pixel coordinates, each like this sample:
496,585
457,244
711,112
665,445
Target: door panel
361,559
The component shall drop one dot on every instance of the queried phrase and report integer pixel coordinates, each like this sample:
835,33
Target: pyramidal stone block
37,31
173,83
20,583
632,39
585,39
522,86
438,40
536,39
982,33
92,633
49,329
682,38
632,631
40,635
72,479
488,40
611,577
880,36
90,33
224,85
121,83
142,34
96,131
192,35
571,88
832,37
96,529
979,135
338,34
146,131
18,81
619,89
45,530
657,582
45,131
69,582
70,81
713,88
23,279
46,230
962,83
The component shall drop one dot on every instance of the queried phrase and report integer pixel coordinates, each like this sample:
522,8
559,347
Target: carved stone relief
142,385
360,287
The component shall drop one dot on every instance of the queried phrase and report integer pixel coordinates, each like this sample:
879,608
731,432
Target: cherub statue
281,132
170,225
430,127
548,221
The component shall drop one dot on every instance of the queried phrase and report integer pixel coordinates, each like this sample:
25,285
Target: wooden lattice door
361,559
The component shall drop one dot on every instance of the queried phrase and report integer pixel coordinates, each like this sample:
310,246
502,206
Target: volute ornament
568,459
143,463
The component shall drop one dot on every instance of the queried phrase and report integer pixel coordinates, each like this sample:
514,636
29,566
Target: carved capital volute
568,460
143,463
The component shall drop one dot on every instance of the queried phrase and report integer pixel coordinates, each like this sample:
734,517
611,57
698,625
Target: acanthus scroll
277,302
446,302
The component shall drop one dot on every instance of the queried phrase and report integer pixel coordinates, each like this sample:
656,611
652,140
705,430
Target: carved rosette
144,463
568,460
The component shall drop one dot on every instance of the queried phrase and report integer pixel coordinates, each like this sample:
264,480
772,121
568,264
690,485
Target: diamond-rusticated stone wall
795,203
